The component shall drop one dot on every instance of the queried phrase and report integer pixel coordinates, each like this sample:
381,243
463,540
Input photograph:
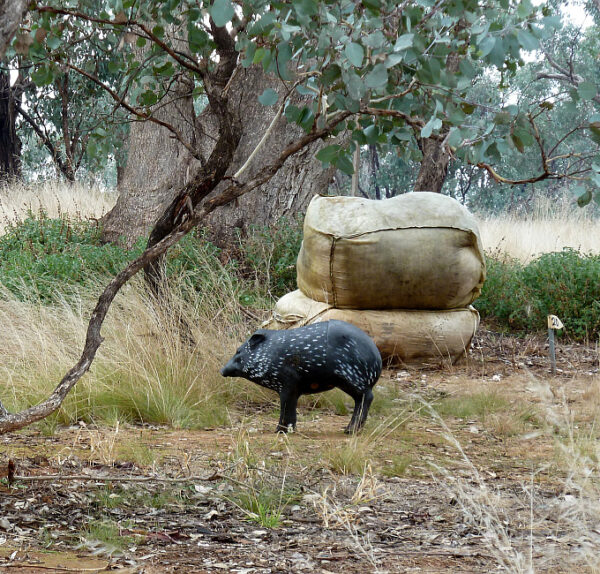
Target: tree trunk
155,169
290,190
434,165
12,13
436,153
157,166
10,144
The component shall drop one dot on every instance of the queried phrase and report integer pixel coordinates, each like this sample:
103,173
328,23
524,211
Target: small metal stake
552,352
553,323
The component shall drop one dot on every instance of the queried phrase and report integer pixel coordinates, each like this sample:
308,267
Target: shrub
565,283
44,257
49,258
271,253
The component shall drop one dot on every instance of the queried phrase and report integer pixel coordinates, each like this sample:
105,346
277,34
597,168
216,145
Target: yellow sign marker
554,322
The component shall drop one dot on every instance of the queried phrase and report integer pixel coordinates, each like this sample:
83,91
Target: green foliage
564,283
50,257
264,503
271,254
108,533
388,70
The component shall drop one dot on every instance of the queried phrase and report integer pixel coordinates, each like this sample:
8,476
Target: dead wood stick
87,477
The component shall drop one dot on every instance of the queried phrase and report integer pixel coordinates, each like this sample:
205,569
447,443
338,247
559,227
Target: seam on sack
331,254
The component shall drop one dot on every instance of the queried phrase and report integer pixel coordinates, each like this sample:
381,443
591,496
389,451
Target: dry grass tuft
517,521
54,198
550,226
144,371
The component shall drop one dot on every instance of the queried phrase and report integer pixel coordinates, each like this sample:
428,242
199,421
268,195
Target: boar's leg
362,403
288,398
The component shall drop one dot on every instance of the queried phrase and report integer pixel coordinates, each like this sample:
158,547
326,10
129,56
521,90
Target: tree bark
161,167
12,13
434,165
435,150
157,166
10,144
290,190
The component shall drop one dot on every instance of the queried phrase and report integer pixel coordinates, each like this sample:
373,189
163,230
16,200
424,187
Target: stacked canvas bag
405,270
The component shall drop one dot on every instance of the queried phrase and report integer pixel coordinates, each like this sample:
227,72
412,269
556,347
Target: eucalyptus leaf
377,77
344,164
527,40
583,195
268,97
354,85
433,124
328,153
393,59
487,45
221,12
455,138
197,39
288,30
404,42
355,53
42,76
375,40
587,90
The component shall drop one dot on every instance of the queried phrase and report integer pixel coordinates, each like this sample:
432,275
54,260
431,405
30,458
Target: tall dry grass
144,371
550,226
527,529
55,198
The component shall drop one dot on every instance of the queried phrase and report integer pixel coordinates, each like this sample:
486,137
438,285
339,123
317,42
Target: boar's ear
256,340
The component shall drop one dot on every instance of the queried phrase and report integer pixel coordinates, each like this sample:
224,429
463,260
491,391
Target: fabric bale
415,251
401,335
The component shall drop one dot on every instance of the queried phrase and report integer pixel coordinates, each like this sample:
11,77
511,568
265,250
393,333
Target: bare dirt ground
479,484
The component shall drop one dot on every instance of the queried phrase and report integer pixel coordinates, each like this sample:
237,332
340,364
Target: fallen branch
87,477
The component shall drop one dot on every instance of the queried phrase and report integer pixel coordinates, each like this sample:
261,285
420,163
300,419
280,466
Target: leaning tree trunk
10,144
152,173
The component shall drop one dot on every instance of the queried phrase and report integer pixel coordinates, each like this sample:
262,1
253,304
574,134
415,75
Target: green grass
398,466
263,502
475,406
107,533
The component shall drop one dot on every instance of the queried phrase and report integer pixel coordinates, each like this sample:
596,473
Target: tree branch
565,76
414,122
44,138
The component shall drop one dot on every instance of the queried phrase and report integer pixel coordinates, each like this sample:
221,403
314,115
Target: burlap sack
415,251
402,336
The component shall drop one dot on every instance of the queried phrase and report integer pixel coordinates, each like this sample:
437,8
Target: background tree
58,108
10,143
12,13
538,103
